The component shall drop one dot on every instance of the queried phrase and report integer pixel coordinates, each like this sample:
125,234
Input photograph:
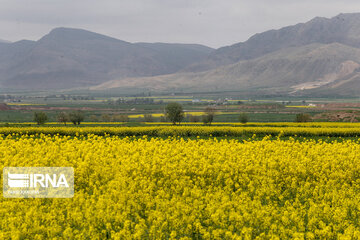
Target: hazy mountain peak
23,42
343,28
348,15
322,53
74,34
4,41
69,57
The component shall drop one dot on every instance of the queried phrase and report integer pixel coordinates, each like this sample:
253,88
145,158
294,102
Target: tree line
173,112
76,117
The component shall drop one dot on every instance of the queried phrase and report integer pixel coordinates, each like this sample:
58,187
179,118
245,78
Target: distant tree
243,118
303,117
94,118
193,118
121,118
124,118
148,118
40,117
63,118
174,112
76,117
209,115
206,119
106,117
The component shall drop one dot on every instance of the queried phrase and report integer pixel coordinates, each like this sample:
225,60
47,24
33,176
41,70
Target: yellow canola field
186,114
153,188
25,104
272,124
300,106
68,123
189,131
237,124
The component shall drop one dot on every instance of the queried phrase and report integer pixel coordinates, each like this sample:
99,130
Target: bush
121,118
207,119
94,118
106,117
193,118
148,118
303,117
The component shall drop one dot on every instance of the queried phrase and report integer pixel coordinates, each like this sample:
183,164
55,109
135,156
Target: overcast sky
211,22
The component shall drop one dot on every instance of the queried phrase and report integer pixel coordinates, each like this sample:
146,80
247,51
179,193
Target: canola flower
25,104
186,114
190,131
300,106
154,188
273,124
236,124
57,123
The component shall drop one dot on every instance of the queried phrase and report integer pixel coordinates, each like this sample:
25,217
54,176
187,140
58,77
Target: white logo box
38,182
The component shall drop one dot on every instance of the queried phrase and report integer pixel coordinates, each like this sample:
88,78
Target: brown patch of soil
4,106
342,116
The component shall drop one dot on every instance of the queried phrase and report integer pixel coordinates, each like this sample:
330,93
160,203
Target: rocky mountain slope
344,29
319,57
67,58
291,70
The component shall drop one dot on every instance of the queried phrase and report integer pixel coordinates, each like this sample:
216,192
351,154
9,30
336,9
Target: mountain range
320,57
67,58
